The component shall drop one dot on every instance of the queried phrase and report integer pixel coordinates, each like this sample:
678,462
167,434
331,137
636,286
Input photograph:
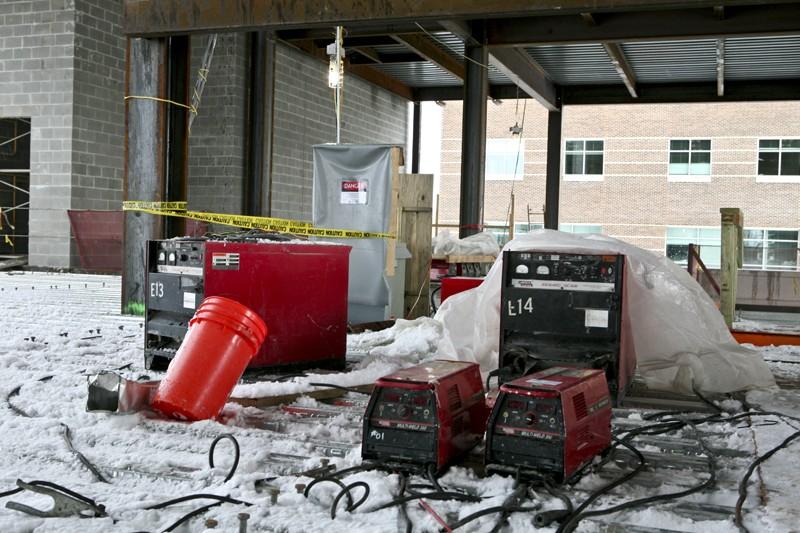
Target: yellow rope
191,108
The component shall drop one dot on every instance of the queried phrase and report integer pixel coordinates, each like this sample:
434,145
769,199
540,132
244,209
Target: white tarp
679,337
483,243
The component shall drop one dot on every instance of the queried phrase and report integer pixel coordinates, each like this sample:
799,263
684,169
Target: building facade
652,175
62,123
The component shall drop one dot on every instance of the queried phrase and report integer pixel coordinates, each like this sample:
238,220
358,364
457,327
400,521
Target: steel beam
473,137
425,47
526,74
720,67
367,56
416,132
177,148
552,195
162,17
144,176
621,65
257,101
676,24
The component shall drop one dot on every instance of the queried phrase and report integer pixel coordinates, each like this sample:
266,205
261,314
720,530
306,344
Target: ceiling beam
526,74
154,18
367,52
367,73
622,66
357,57
425,47
516,65
720,67
763,20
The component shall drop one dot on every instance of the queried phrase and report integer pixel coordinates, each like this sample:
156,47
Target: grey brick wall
217,139
304,117
36,81
98,112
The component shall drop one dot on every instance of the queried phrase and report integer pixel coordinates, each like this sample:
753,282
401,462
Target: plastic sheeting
679,337
483,243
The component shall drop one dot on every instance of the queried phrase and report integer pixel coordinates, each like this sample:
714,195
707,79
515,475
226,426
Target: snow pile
678,335
483,243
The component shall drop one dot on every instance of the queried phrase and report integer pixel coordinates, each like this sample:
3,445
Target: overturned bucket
223,337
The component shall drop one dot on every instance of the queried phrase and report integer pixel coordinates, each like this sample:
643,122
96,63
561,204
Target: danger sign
354,191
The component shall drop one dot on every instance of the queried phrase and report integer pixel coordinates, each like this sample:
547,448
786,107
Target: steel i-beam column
253,193
473,136
553,178
144,177
177,138
415,137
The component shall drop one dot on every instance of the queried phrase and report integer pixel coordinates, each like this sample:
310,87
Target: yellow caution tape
275,225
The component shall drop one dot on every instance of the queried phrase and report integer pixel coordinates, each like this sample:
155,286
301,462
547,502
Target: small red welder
549,424
425,415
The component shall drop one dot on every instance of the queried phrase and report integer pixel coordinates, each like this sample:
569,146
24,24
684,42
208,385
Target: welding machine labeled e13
425,416
549,424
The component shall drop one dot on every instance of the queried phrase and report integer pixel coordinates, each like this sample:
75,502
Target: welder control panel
530,417
180,257
405,409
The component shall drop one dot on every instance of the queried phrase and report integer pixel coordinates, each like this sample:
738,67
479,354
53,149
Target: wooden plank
391,249
319,394
416,219
731,261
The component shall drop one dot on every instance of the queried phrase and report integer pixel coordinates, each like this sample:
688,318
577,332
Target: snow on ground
68,326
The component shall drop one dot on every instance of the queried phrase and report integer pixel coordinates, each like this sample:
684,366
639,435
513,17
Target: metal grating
758,58
673,61
576,64
419,74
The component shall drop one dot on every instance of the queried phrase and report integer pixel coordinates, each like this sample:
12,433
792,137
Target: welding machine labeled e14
426,415
549,424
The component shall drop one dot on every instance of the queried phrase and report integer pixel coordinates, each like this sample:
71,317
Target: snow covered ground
68,326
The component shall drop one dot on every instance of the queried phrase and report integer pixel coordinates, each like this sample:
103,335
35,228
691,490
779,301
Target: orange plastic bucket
223,337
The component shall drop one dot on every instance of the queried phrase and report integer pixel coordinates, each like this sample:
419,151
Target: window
689,158
768,249
708,239
520,228
779,159
505,159
584,161
581,228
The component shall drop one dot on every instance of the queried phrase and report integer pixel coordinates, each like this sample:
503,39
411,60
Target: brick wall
217,140
304,117
636,201
36,62
99,122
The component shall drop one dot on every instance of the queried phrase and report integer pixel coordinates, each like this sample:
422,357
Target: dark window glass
782,254
678,252
594,145
574,164
679,157
790,143
780,235
769,143
790,164
701,157
756,234
768,163
753,253
594,164
679,145
574,145
701,145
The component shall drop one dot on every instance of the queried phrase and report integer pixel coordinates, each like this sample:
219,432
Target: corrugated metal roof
673,61
759,58
576,64
419,74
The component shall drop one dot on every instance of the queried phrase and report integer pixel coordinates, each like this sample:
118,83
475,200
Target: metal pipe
553,178
415,137
255,124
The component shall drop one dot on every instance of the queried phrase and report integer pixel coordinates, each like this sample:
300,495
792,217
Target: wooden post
732,225
436,227
391,251
416,211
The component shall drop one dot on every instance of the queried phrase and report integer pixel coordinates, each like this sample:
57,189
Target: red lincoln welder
425,415
549,424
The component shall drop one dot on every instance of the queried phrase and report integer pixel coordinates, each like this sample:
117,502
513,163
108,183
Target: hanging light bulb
335,52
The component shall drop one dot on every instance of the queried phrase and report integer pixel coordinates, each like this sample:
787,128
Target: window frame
583,177
519,150
700,241
775,178
691,178
764,242
583,224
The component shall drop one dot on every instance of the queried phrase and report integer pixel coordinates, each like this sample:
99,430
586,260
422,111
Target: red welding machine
425,415
549,424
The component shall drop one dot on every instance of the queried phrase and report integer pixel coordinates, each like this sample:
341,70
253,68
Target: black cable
738,518
213,447
444,496
706,401
11,492
430,473
344,488
15,391
510,502
191,515
403,510
491,510
82,458
340,387
347,491
434,290
174,501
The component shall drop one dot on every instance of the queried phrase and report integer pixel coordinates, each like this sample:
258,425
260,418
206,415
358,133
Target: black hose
15,391
344,488
82,458
11,492
174,501
347,491
213,447
191,515
434,290
444,496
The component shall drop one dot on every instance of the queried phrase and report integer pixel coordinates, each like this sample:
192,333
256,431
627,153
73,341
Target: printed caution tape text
276,225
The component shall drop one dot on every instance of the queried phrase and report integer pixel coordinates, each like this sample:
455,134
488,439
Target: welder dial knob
404,411
530,419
